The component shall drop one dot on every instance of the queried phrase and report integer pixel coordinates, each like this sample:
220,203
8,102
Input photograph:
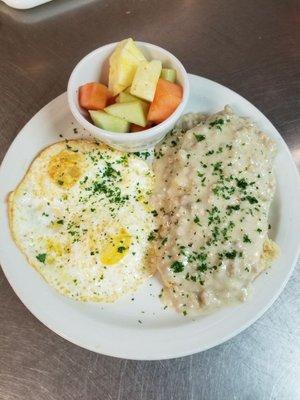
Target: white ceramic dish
115,329
94,68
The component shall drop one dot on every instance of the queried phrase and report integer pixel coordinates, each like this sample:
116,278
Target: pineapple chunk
145,79
133,112
123,64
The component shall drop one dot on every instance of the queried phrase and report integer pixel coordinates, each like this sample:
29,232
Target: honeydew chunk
123,64
133,112
109,122
125,97
145,79
168,74
128,98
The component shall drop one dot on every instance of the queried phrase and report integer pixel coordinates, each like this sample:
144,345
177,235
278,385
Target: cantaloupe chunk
167,97
123,64
145,79
136,128
93,96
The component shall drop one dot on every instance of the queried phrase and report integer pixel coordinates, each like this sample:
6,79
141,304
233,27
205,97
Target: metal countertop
252,47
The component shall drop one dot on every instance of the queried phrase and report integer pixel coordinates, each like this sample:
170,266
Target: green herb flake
217,123
241,183
199,138
250,199
246,239
151,236
177,266
164,241
41,257
196,220
231,254
143,154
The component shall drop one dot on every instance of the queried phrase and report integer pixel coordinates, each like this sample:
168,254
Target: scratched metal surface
250,46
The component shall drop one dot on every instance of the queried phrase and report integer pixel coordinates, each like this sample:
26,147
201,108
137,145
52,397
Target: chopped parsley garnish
110,172
196,220
177,266
113,193
154,213
199,138
121,249
123,160
60,221
251,199
84,180
217,166
42,257
151,236
246,239
217,123
230,254
164,241
143,154
231,208
241,183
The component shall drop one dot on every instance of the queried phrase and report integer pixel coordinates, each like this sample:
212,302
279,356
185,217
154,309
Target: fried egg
81,217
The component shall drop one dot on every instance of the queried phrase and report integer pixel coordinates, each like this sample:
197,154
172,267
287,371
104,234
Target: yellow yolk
115,248
65,168
143,199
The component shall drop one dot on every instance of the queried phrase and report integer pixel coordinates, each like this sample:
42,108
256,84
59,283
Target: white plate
115,329
24,4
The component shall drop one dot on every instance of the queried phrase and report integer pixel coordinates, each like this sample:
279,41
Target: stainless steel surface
251,46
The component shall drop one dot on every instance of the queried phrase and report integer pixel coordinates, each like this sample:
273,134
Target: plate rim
175,354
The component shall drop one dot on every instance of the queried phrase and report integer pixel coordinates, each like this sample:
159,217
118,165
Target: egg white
81,217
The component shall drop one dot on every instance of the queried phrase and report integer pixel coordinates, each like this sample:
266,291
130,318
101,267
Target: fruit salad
141,93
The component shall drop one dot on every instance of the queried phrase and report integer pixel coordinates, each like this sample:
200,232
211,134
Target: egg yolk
144,200
116,247
65,168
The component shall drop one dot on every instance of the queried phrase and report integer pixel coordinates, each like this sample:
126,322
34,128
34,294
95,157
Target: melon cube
109,122
133,112
145,79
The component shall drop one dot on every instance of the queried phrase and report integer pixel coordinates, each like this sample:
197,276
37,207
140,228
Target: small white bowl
94,68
